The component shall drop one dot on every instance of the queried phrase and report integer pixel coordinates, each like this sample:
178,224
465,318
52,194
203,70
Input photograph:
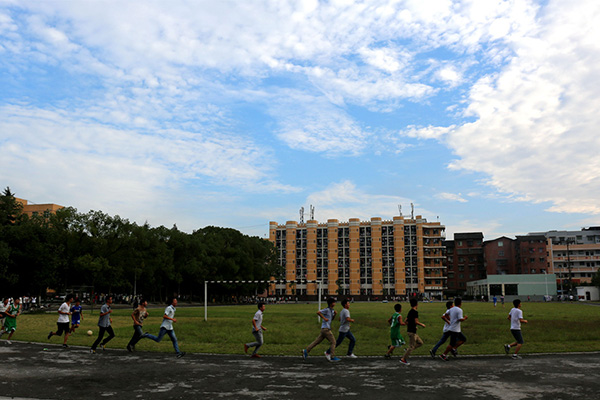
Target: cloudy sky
482,113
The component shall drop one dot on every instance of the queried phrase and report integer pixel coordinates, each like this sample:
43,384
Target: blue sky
230,113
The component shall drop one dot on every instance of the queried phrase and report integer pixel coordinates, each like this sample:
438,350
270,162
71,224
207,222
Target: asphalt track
43,371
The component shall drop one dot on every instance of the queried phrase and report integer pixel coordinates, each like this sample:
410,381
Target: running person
257,331
344,331
515,316
76,315
456,336
166,328
104,323
395,322
3,307
445,332
138,315
412,320
327,315
63,320
10,323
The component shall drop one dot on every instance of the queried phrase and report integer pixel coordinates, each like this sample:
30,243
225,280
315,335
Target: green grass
552,327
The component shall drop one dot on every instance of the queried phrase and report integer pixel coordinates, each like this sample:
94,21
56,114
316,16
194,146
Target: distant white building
588,293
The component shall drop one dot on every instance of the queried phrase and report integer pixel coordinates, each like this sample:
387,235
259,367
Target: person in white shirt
445,330
166,328
344,330
257,331
64,312
515,316
457,338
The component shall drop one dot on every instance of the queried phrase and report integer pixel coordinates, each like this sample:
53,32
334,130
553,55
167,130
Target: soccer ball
90,333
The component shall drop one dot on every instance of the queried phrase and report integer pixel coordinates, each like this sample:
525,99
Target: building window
501,253
500,243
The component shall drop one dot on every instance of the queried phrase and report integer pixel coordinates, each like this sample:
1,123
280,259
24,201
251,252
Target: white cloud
344,200
51,148
535,132
429,132
315,125
452,197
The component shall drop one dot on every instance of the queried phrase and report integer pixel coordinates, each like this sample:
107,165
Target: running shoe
304,354
50,335
65,345
388,356
506,348
432,353
443,357
245,348
403,361
179,355
454,352
352,355
516,357
255,356
334,359
328,356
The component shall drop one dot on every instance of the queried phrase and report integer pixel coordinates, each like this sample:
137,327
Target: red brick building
500,256
532,254
465,262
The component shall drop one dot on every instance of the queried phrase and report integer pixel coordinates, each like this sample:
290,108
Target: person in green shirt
10,323
395,322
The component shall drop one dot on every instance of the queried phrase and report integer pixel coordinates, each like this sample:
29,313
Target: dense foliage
70,249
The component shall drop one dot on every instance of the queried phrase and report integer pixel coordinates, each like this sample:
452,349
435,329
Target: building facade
38,209
500,256
376,258
465,261
574,256
532,254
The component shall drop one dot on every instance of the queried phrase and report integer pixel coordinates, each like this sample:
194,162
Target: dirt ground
43,371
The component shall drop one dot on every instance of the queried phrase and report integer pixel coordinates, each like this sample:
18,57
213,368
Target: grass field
552,327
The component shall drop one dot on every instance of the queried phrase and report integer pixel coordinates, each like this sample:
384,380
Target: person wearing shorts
412,321
457,338
10,323
395,322
63,320
76,315
515,316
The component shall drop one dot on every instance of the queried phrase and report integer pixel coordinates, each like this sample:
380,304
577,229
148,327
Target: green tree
10,209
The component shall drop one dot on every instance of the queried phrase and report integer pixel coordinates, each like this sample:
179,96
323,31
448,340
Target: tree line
68,249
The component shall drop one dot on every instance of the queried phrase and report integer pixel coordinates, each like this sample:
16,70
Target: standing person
138,316
10,323
257,331
167,327
502,300
395,322
412,320
495,300
344,331
327,315
515,316
457,338
76,315
3,307
104,323
445,330
63,320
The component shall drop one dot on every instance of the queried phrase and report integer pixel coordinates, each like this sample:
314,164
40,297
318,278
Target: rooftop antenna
301,215
400,209
312,212
412,211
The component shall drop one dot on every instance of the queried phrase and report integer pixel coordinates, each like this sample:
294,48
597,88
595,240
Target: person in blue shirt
327,315
76,315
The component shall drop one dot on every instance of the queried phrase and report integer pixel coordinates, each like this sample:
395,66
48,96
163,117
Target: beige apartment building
573,256
38,209
376,258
